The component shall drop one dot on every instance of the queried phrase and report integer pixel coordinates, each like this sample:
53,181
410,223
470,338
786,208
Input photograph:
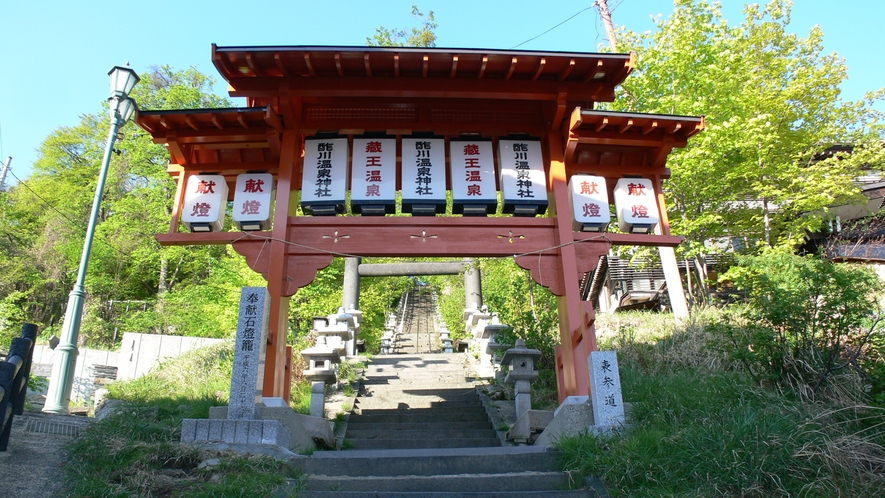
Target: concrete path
33,464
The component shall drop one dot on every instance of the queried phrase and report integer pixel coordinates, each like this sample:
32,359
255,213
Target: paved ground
33,463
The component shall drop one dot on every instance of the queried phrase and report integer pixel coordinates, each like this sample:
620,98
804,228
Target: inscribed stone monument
605,385
248,374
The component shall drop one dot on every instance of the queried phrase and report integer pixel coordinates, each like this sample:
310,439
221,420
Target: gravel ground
33,463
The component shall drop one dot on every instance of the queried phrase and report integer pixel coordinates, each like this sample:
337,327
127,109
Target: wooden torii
293,92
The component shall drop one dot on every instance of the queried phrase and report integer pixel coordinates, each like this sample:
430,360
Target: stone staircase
418,401
418,429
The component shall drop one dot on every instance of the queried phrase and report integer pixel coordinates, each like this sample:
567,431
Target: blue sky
56,54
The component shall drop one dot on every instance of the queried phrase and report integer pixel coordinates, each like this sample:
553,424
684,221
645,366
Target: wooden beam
250,61
189,120
512,68
368,65
454,65
431,88
626,126
568,70
278,59
540,68
307,63
485,63
338,64
602,125
425,66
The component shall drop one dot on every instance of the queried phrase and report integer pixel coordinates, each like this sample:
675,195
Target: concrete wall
138,354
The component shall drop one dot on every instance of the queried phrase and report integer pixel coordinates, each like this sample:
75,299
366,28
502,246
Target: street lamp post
58,397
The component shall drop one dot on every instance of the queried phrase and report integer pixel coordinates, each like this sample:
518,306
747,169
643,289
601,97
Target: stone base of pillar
523,397
317,398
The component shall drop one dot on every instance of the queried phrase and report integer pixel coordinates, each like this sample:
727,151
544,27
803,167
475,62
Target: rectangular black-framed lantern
472,177
324,177
522,178
423,175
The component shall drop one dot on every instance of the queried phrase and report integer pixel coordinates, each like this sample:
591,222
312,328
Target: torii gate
297,92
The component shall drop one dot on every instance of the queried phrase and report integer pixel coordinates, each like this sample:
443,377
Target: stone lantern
521,373
337,333
486,337
322,362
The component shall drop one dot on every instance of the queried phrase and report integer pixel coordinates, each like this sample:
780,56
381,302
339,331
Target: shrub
807,318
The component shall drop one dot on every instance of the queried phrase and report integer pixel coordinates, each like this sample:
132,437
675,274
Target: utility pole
606,16
668,254
5,170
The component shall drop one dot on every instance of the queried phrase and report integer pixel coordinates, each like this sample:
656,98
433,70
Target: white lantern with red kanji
373,176
472,176
205,202
324,176
253,197
637,205
588,197
523,183
424,176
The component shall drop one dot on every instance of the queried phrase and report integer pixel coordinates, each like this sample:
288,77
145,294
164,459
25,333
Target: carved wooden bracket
300,271
546,267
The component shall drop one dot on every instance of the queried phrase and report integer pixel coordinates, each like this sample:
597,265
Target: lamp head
123,80
126,108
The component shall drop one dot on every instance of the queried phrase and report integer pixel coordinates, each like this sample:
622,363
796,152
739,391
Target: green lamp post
58,397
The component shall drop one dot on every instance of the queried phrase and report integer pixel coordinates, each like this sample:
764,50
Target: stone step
428,440
579,493
406,408
521,481
487,432
411,418
432,462
415,426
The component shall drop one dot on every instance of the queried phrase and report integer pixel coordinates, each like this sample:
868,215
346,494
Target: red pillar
278,328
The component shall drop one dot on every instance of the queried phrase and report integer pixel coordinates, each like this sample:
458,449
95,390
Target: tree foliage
425,36
43,223
772,104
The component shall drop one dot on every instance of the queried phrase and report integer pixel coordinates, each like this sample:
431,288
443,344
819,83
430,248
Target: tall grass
136,451
701,426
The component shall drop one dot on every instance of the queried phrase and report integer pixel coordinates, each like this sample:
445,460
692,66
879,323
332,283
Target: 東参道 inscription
605,385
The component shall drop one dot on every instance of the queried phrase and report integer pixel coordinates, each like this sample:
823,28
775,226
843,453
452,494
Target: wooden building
296,94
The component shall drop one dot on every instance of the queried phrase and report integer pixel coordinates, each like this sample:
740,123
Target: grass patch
136,450
702,427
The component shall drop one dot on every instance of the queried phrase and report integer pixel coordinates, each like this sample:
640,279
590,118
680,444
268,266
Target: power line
72,223
22,183
554,27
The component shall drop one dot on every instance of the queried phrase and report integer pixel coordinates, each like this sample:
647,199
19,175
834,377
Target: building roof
256,72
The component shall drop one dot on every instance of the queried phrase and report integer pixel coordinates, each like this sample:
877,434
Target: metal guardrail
14,374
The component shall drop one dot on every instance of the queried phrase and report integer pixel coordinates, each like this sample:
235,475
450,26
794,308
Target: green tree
425,36
772,104
43,220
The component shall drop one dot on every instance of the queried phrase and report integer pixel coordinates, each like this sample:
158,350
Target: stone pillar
472,287
523,391
351,300
317,398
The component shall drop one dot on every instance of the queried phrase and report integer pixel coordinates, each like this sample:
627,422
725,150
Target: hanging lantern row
373,175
